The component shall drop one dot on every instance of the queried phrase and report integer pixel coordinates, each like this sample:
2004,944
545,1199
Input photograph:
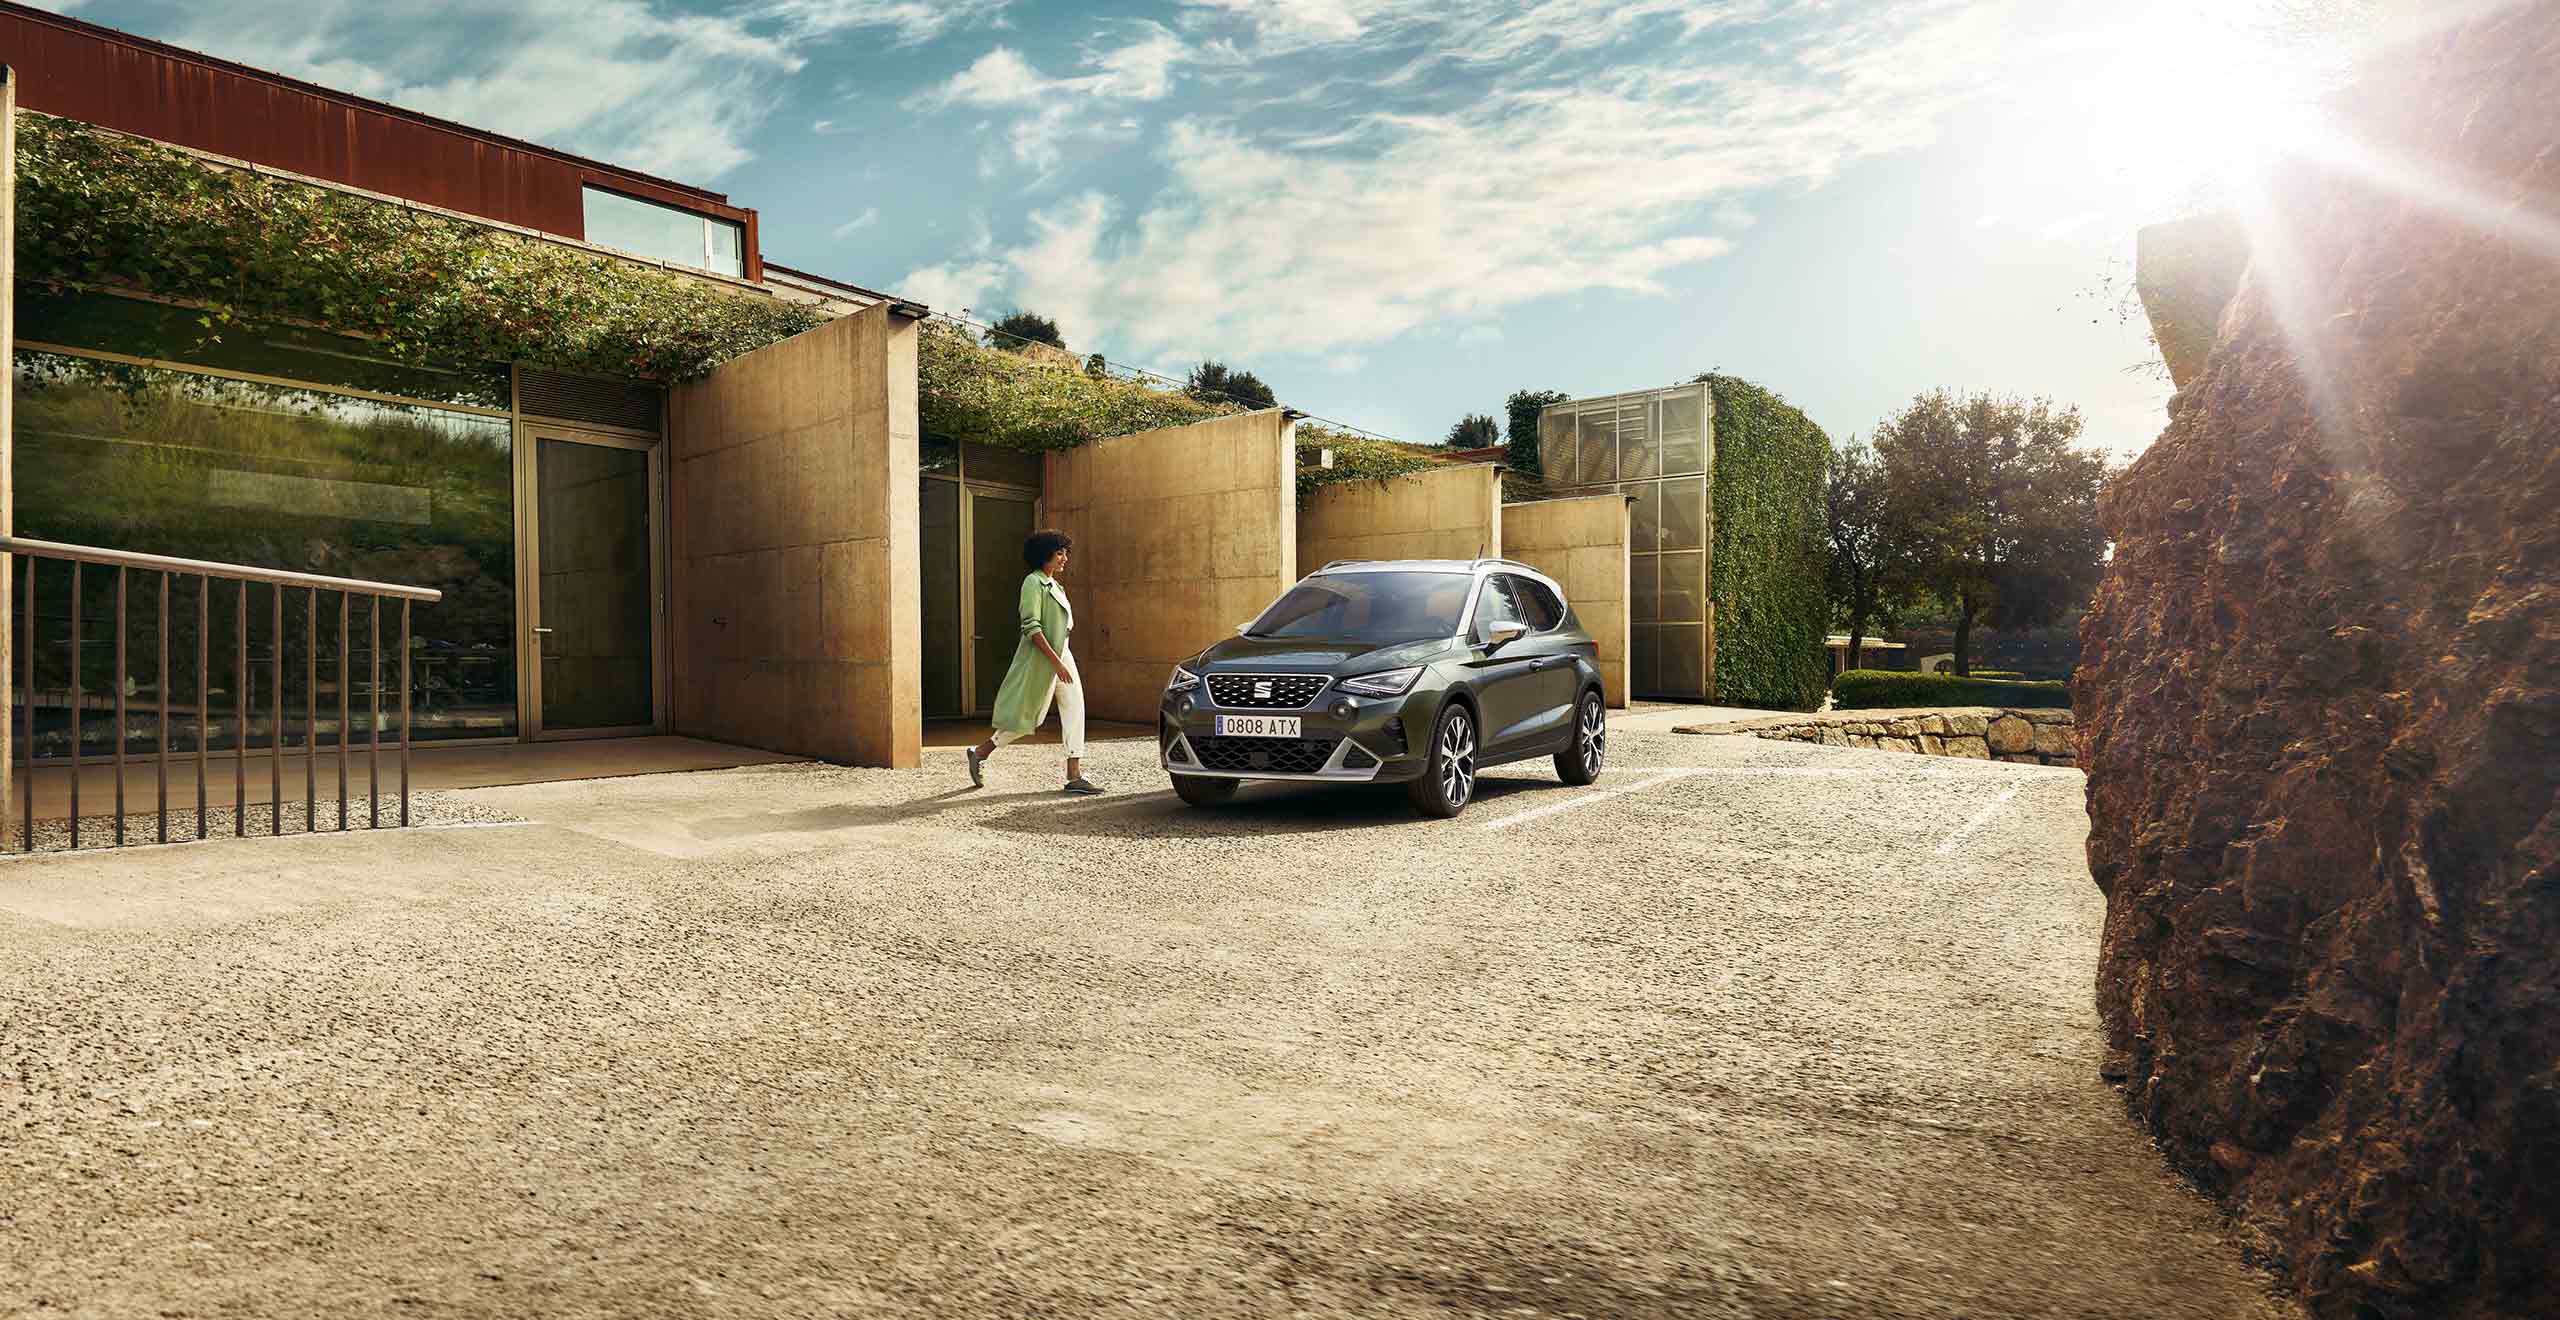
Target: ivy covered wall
99,210
102,211
1766,565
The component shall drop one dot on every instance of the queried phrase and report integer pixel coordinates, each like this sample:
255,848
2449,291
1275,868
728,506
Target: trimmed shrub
1997,673
1876,689
1769,560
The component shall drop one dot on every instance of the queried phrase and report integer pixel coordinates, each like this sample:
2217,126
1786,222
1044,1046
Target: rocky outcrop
2319,709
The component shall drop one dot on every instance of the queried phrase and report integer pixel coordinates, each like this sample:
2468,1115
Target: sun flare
2188,102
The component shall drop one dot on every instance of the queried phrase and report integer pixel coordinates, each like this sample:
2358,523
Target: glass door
998,525
595,589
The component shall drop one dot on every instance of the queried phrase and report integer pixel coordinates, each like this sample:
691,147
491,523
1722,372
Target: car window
1539,607
1374,608
1494,605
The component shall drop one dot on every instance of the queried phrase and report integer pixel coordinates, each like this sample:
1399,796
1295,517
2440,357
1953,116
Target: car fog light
1343,710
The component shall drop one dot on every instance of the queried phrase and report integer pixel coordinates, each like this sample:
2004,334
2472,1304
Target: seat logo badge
1262,691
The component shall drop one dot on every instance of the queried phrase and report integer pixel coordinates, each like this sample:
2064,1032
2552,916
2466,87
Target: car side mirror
1504,634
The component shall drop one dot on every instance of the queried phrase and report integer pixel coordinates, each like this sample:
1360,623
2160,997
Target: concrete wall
1181,534
1445,513
1582,543
792,502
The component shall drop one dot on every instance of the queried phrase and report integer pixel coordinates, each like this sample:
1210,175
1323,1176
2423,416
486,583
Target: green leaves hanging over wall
966,391
102,211
1771,464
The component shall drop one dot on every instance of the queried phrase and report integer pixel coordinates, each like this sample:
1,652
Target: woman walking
1043,667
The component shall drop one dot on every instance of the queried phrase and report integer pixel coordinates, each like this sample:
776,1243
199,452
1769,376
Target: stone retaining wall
2029,737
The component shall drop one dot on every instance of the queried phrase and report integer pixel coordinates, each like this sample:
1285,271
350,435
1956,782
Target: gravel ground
143,827
1749,1029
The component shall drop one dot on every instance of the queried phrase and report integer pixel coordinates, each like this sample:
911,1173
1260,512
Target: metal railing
206,574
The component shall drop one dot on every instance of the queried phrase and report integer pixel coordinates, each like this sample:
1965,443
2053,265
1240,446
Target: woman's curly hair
1043,546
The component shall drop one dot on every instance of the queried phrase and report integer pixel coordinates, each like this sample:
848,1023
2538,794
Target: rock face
2319,709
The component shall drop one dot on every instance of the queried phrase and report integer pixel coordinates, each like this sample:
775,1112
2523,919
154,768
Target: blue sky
1396,211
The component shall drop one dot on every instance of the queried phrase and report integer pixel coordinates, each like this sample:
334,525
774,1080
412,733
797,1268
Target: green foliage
1212,382
1355,458
1881,689
101,211
1475,431
1768,566
1018,331
966,391
1523,408
2000,505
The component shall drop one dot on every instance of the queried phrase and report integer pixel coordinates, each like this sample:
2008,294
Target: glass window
1684,513
175,463
1010,466
1539,607
1375,608
1599,445
1683,438
668,233
136,328
1495,606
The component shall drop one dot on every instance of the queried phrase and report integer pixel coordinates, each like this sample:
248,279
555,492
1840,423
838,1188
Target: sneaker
977,770
1081,787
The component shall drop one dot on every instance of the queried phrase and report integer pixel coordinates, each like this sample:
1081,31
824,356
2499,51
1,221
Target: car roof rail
1341,562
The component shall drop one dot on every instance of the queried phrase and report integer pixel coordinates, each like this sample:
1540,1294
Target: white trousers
1070,700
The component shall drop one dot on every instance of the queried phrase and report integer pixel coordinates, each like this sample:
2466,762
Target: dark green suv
1415,671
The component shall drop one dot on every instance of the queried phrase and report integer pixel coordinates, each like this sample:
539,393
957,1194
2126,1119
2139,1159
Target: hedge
1771,613
1874,689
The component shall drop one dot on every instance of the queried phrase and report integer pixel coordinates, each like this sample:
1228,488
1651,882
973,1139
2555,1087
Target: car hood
1293,655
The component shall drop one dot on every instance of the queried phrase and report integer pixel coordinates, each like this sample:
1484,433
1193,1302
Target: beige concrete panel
1445,513
796,544
1582,544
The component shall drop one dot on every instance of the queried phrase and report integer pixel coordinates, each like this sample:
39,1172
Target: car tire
1202,791
1586,753
1449,772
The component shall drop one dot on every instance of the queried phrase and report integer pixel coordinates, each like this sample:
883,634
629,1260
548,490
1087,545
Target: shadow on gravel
1260,809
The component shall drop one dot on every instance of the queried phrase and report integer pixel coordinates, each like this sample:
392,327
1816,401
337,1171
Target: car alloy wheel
1457,760
1580,760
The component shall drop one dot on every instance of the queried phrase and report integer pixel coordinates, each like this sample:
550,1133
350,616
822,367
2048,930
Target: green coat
1023,701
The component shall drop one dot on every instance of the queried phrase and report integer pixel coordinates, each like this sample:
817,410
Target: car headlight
1392,683
1183,680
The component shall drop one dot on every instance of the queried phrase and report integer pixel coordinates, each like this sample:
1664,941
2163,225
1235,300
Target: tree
1524,407
1213,382
1474,431
2000,505
1870,565
1020,330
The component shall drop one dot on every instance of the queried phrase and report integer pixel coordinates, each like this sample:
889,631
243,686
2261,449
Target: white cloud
633,82
953,286
2069,225
909,22
869,217
1139,67
1468,31
1614,178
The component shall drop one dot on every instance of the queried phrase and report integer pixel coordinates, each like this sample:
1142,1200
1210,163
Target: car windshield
1373,608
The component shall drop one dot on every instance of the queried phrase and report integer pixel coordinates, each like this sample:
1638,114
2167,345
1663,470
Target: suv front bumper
1342,739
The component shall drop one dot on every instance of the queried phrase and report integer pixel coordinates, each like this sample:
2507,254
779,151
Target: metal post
204,687
120,669
75,703
404,714
28,640
161,763
346,604
311,710
373,728
240,701
275,736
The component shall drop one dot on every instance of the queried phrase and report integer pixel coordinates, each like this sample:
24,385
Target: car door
1505,678
1552,675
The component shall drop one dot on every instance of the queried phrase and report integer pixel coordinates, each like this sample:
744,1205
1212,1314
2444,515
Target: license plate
1257,726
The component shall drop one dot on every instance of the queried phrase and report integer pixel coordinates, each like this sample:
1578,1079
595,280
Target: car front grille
1274,756
1265,691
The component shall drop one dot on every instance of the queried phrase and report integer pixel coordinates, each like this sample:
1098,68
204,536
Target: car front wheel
1449,774
1201,791
1582,758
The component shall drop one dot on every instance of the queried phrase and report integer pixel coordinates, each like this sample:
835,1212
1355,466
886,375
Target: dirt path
1750,1029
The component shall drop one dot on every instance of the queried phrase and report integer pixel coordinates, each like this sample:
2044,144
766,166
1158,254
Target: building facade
1657,447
